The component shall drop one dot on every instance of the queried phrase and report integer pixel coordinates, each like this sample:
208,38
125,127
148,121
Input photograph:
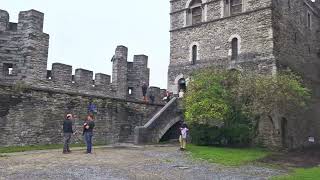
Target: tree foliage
233,101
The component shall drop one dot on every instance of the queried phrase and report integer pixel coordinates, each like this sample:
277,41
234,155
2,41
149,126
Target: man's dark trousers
67,140
88,139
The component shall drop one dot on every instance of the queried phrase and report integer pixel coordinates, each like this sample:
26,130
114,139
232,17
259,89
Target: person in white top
181,93
183,136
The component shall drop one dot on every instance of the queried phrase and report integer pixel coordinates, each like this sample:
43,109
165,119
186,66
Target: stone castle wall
31,116
34,100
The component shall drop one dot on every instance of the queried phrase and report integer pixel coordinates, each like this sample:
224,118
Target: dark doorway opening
125,132
172,134
182,85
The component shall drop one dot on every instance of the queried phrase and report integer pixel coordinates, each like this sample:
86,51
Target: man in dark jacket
88,132
144,91
67,133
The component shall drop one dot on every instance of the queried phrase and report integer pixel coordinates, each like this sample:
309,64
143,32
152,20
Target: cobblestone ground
144,163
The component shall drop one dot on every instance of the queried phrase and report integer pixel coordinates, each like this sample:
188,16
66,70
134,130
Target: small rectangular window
130,90
8,69
235,7
196,15
49,76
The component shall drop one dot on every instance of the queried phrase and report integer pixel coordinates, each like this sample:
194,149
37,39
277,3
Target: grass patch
13,149
227,156
301,174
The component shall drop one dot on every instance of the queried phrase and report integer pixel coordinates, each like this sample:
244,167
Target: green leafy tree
232,103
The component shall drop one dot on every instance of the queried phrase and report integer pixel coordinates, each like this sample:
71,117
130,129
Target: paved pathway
135,163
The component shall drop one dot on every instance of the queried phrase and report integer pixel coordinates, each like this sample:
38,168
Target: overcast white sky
85,33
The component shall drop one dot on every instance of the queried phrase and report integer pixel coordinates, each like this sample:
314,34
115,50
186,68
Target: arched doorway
182,85
172,134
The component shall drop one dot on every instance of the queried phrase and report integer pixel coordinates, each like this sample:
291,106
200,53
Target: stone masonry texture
272,35
33,116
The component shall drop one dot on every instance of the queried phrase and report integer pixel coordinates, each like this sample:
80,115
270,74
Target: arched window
309,20
194,12
194,54
234,49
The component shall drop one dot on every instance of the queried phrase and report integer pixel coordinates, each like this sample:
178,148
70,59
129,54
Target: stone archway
174,88
164,130
172,134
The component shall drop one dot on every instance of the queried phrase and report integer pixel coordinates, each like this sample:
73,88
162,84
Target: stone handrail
158,114
159,124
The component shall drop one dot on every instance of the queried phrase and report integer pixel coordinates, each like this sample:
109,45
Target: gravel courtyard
134,163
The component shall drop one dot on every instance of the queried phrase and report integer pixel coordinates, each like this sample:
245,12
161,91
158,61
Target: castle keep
34,100
264,36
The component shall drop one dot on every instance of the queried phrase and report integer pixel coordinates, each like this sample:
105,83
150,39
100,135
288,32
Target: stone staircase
159,124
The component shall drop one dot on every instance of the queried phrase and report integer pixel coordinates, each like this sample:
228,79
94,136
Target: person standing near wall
67,133
92,108
144,91
151,97
88,132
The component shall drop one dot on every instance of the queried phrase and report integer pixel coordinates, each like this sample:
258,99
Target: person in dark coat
144,91
67,133
88,127
151,97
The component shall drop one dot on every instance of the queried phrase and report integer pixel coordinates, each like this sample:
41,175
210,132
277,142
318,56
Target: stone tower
24,47
264,36
128,77
120,71
219,33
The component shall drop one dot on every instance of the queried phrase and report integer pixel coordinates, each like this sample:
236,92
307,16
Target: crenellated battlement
4,20
140,60
28,21
24,53
61,73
